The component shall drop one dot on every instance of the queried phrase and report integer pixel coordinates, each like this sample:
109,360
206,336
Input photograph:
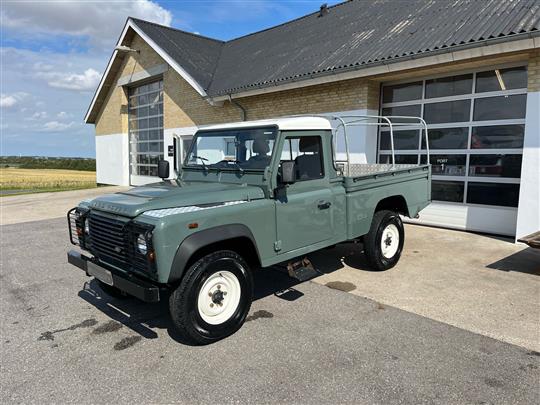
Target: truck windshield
234,149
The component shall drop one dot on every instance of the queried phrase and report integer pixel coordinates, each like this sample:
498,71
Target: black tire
373,240
184,300
112,291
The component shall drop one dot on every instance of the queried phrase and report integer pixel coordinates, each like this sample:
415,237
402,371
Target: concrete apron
40,206
479,283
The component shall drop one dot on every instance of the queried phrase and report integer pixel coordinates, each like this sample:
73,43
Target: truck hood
170,195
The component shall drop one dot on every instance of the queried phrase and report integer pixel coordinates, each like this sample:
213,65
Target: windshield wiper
202,160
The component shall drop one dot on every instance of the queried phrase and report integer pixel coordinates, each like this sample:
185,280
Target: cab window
306,152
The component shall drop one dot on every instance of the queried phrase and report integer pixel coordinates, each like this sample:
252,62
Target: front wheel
384,242
213,298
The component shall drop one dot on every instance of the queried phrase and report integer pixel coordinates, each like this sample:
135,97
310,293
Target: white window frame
134,150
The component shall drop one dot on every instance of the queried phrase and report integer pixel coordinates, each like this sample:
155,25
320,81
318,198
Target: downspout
243,112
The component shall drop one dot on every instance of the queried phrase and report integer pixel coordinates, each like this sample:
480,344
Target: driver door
304,209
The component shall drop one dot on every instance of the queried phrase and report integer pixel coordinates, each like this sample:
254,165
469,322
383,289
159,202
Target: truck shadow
140,317
144,318
335,258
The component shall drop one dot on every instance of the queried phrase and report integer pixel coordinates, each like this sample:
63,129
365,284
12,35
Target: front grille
112,241
109,239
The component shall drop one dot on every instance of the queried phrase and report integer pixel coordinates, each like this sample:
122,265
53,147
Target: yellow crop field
14,180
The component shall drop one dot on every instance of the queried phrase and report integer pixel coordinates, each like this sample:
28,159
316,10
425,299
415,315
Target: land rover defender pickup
248,196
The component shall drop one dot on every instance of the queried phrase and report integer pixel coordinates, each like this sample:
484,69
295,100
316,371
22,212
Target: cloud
55,126
7,101
11,100
86,81
40,115
43,67
62,115
98,21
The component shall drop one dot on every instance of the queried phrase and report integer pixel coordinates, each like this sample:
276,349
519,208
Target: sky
53,53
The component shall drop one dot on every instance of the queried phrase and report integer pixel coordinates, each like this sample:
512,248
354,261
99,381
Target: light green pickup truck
248,196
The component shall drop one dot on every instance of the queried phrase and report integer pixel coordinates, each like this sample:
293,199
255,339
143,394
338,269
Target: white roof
296,123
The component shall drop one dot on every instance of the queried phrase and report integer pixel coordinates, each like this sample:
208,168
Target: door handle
324,205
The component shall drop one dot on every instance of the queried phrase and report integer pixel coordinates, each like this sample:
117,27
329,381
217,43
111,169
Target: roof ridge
215,68
287,22
177,30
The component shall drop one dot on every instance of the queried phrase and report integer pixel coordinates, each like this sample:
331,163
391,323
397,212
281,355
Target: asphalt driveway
64,341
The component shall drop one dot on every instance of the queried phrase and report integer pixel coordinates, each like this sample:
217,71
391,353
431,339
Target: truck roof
285,123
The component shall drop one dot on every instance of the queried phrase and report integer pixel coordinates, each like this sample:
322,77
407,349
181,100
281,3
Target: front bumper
131,285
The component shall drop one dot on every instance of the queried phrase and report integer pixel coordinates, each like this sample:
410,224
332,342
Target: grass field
21,181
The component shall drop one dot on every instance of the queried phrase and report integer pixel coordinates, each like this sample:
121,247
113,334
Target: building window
145,107
476,123
230,148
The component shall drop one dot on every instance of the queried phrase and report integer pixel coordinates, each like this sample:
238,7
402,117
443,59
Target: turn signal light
193,225
151,256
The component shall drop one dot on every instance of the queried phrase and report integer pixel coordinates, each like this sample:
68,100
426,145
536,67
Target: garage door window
476,123
146,128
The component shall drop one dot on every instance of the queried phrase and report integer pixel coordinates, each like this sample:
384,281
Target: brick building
471,69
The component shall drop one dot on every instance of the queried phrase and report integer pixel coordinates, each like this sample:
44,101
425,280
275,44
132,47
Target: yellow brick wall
112,119
185,107
534,71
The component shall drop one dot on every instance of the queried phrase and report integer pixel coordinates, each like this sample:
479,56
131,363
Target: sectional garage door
476,124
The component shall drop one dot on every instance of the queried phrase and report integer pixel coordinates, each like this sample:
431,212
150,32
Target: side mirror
288,172
163,169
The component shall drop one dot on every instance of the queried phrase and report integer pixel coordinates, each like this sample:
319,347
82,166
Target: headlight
142,247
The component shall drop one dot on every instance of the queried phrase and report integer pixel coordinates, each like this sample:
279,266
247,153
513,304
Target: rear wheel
384,242
213,298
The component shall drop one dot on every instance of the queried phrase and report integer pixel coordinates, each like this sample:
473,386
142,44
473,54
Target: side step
302,270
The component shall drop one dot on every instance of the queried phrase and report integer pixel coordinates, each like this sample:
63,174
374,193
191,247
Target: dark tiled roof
351,35
198,55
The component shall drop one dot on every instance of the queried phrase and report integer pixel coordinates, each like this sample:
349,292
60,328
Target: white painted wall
137,180
168,140
112,159
476,218
528,218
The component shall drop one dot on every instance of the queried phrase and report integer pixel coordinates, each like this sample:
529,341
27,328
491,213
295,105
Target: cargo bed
365,172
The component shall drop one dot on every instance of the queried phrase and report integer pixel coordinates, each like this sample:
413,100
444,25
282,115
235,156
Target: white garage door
476,124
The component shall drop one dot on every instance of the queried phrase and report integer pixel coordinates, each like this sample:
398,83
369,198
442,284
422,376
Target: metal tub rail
389,121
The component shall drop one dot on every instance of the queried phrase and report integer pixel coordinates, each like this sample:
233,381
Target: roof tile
351,34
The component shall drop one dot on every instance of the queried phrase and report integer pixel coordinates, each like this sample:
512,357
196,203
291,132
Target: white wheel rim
390,241
219,297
